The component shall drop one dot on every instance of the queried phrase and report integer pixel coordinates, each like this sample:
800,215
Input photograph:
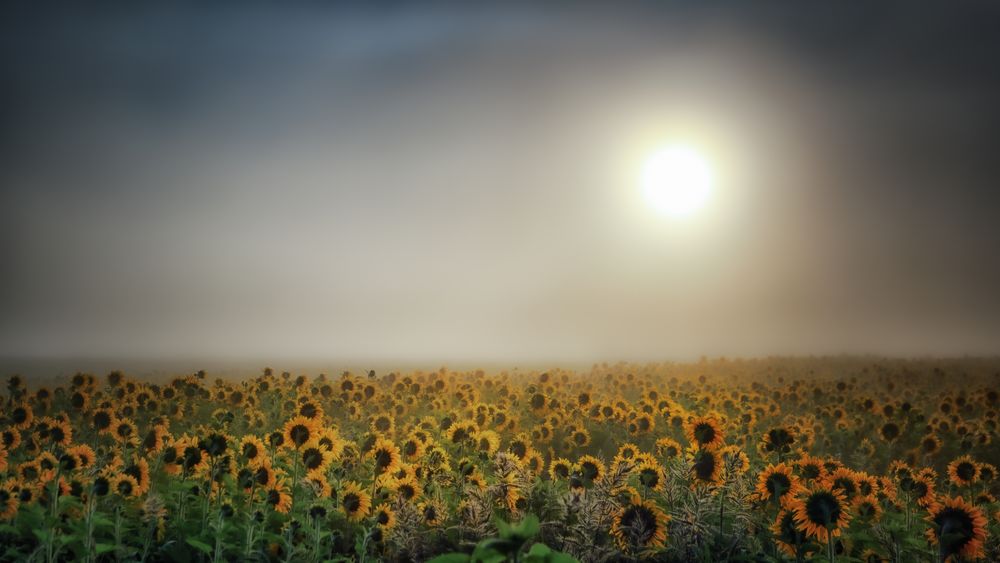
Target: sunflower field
737,460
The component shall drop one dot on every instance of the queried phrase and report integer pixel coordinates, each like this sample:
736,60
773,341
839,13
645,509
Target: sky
459,183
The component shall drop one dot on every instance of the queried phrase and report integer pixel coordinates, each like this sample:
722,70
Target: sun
676,180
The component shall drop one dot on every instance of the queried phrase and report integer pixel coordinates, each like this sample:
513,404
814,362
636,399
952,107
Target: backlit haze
463,184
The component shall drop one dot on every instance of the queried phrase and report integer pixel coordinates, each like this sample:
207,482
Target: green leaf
529,527
540,549
560,557
104,547
200,546
504,529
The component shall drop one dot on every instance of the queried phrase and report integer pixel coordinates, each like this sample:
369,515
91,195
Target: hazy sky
456,183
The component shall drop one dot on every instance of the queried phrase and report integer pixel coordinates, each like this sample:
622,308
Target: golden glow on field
676,180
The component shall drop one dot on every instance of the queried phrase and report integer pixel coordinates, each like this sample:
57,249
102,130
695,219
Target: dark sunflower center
966,471
383,458
649,478
639,524
383,518
352,502
299,434
955,528
704,433
704,466
589,470
312,458
823,509
778,483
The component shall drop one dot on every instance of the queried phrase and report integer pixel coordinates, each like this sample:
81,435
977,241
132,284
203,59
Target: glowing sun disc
676,181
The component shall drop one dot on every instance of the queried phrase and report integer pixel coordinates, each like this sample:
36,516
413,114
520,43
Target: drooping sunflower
705,467
777,482
820,511
354,501
963,471
640,526
788,535
704,432
9,501
957,528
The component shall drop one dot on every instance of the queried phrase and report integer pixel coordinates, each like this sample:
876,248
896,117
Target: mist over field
450,184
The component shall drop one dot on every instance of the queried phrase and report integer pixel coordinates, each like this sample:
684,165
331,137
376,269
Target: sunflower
385,517
8,500
703,432
776,483
310,409
298,431
10,439
102,420
705,467
668,448
383,424
125,485
21,416
155,439
844,480
866,509
821,511
408,489
60,433
590,468
930,444
560,469
788,535
386,456
890,432
277,497
810,468
124,432
253,451
651,475
640,526
354,501
963,471
487,442
315,458
432,512
413,448
780,440
957,528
